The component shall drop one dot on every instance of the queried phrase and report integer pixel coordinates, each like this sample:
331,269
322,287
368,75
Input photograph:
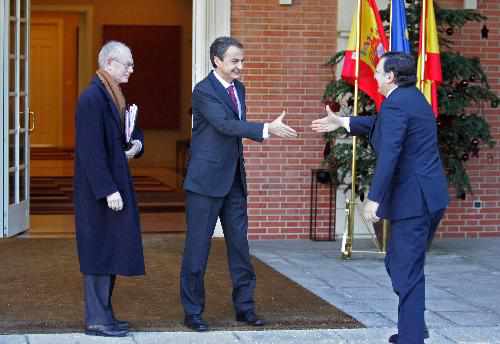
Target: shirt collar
222,81
389,93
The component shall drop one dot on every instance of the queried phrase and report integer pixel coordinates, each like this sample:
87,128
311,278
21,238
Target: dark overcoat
109,242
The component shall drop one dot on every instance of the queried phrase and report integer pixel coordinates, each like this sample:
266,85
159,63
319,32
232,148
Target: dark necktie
232,95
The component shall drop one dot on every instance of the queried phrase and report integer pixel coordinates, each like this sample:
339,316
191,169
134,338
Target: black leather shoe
196,323
105,331
121,324
250,318
394,338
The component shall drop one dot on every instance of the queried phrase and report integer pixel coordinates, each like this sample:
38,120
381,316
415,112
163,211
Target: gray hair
111,49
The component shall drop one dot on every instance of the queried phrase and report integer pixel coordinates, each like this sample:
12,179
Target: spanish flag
429,60
373,44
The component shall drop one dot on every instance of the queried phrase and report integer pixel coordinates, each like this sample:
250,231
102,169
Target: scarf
115,92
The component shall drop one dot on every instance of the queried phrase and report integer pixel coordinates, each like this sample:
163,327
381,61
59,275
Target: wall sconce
470,4
286,2
484,32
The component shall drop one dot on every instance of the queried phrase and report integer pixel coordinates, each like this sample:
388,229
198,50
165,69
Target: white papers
130,117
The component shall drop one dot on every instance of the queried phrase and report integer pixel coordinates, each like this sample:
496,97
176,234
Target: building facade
287,44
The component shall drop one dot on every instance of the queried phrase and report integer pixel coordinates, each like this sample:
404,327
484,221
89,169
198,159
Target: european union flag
399,31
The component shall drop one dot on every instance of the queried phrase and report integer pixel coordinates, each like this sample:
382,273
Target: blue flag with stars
399,30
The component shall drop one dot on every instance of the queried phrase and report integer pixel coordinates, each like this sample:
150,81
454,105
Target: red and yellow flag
429,60
373,44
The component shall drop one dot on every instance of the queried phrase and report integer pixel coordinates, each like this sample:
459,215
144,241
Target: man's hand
370,211
115,201
278,128
136,148
329,123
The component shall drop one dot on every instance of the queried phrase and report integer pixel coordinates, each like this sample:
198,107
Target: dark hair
219,47
403,66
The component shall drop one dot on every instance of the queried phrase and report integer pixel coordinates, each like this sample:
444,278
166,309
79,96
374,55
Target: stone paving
463,297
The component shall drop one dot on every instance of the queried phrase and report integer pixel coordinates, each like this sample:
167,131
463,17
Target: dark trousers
98,293
201,216
404,262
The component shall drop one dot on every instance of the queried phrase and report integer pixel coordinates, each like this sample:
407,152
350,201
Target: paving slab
76,338
215,337
13,339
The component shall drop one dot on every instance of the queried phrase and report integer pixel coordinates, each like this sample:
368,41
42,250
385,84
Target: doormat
41,291
54,195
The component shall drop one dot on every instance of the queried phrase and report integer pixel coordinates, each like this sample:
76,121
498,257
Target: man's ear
217,61
391,78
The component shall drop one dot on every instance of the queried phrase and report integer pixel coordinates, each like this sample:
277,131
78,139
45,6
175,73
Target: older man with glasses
106,215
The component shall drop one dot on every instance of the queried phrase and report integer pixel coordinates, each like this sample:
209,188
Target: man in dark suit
409,186
108,233
215,183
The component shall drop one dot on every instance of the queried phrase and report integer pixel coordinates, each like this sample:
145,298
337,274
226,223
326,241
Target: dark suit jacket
216,143
409,178
109,242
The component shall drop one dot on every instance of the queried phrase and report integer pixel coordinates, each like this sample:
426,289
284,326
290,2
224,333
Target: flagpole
390,27
347,252
422,45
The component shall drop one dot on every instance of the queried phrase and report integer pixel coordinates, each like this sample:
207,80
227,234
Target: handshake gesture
329,123
280,129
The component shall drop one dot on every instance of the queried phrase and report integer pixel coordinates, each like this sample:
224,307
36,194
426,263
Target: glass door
15,128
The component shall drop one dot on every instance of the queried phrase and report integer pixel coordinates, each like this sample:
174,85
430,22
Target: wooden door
46,86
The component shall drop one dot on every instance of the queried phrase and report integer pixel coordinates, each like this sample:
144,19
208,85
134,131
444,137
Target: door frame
3,119
85,38
15,215
211,19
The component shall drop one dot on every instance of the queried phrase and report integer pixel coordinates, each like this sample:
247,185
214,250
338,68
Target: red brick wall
462,220
285,49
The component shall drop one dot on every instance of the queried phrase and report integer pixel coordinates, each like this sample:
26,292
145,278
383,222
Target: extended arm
210,108
354,125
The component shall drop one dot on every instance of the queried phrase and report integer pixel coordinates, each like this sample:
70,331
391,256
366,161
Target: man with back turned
409,186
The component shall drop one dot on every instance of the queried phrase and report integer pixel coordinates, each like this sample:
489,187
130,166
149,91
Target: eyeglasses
127,65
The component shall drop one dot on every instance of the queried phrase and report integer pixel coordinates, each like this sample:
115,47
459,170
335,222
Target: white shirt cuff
265,131
346,123
139,143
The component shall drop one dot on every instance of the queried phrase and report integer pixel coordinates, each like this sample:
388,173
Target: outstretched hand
329,123
278,128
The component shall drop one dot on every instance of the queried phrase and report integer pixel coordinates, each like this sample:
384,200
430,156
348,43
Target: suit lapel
222,94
